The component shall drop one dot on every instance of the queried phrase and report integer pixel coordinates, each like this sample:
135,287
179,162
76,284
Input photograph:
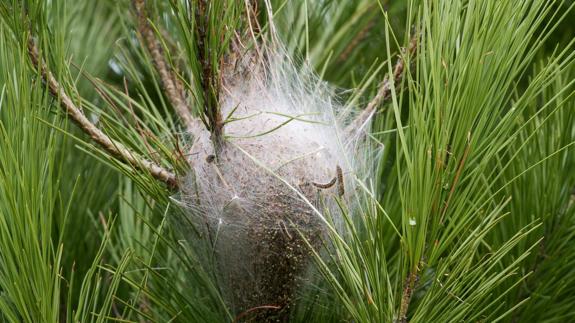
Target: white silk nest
268,194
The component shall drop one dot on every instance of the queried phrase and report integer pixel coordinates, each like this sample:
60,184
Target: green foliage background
470,215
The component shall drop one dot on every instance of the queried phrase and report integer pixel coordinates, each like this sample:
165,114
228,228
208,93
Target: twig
383,93
408,288
215,119
173,87
114,148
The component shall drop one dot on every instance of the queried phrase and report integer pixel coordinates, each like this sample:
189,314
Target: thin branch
172,85
383,93
213,113
408,287
114,148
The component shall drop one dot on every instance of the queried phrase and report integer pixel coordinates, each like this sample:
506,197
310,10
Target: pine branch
114,148
408,288
216,121
383,93
173,87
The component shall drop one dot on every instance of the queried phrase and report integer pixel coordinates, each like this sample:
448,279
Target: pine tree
287,161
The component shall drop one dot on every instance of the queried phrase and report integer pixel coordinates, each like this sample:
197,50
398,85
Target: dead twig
171,84
114,148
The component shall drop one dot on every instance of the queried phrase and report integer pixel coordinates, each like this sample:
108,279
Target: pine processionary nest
262,193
